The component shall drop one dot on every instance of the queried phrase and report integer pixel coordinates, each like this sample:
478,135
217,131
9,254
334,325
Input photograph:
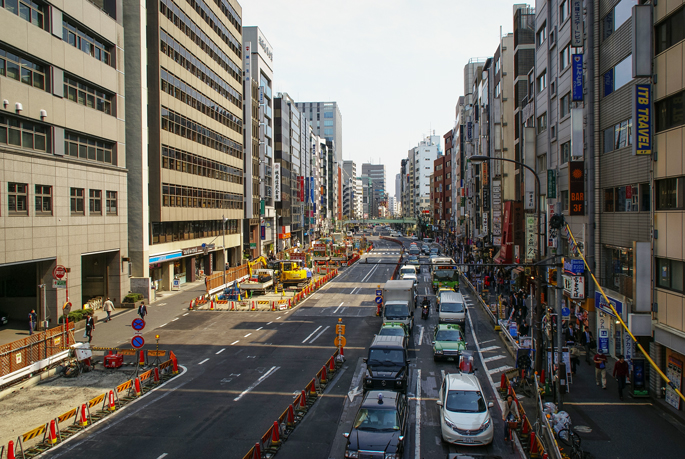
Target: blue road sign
379,292
138,324
565,313
137,342
379,299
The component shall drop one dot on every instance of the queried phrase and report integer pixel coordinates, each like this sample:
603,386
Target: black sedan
379,427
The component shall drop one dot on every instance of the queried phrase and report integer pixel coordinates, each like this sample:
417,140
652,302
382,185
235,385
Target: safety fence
59,429
269,443
24,352
217,278
213,303
526,432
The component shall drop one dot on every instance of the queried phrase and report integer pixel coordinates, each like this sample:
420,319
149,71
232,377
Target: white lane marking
203,361
161,325
336,309
499,369
488,341
175,319
426,289
163,455
442,373
307,338
184,316
278,318
489,348
370,272
256,383
417,438
259,328
247,335
269,323
234,342
220,351
497,357
320,333
421,335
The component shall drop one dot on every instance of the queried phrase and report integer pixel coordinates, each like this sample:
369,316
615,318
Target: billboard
642,119
277,182
576,187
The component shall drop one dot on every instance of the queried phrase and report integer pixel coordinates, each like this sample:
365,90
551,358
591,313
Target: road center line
256,383
161,325
234,342
203,361
278,318
336,309
269,323
320,333
421,337
417,438
163,455
307,338
175,319
247,335
259,328
184,316
222,350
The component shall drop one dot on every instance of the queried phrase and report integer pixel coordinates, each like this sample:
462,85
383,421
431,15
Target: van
414,250
387,364
407,269
452,308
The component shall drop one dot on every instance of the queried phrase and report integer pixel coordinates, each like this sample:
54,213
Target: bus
444,273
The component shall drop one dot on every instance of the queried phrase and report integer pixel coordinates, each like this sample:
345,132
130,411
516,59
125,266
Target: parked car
464,414
379,427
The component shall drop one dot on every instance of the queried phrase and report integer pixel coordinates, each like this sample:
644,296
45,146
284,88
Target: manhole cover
583,429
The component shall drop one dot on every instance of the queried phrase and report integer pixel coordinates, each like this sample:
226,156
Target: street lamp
477,159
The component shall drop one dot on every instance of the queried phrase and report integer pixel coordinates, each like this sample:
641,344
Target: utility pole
223,244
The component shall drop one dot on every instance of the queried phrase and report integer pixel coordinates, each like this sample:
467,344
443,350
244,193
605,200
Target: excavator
290,273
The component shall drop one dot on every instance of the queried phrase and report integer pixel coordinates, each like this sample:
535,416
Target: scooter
424,310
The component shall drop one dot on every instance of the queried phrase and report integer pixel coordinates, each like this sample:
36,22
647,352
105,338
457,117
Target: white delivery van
452,308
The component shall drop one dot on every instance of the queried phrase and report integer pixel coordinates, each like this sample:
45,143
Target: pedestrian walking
569,336
621,370
601,368
33,321
90,326
575,358
108,307
142,310
586,341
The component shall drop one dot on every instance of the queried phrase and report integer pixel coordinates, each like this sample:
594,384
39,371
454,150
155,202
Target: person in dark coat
90,326
621,371
142,310
33,321
585,340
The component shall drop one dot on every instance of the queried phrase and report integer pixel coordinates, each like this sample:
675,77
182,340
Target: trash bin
639,378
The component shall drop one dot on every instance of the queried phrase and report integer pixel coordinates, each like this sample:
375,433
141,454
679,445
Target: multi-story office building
349,177
326,122
184,139
376,174
251,179
420,166
261,72
63,190
286,118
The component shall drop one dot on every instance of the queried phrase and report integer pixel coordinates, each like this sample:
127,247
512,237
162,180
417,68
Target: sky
395,67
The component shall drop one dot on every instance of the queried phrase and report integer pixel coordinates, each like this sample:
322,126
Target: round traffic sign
138,324
565,312
137,342
340,341
379,299
59,272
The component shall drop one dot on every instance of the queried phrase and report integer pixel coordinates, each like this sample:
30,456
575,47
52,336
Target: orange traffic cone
84,416
136,386
10,450
211,305
141,359
503,381
156,375
324,376
303,400
291,415
275,434
111,405
257,451
331,365
190,306
52,433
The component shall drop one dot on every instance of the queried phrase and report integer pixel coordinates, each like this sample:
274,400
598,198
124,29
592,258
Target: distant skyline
396,68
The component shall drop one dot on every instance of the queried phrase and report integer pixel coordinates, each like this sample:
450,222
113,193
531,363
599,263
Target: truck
260,281
399,302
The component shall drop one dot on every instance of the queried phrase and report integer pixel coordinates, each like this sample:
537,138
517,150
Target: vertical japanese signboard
576,185
530,238
277,182
642,119
577,23
577,77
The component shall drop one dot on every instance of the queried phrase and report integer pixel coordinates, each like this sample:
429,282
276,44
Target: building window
565,57
618,76
565,104
645,197
670,194
27,135
542,163
17,198
565,152
28,10
542,81
111,202
328,114
542,34
86,42
616,17
629,198
328,131
609,200
77,201
83,147
43,199
618,136
542,123
85,94
670,112
669,274
328,122
564,200
95,202
19,68
498,89
184,127
564,11
190,163
670,31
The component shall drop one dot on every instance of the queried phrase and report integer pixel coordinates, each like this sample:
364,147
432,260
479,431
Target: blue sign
609,82
603,342
138,324
138,342
577,84
379,299
379,292
565,313
311,189
469,130
165,257
602,305
574,266
642,126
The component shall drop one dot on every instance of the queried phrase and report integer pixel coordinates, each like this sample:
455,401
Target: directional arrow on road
353,393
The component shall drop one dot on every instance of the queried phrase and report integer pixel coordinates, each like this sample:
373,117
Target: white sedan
464,415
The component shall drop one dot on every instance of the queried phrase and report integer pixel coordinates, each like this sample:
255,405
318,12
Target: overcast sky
395,67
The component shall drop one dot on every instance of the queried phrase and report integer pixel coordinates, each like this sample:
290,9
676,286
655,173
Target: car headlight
438,351
485,424
450,424
392,456
351,454
369,381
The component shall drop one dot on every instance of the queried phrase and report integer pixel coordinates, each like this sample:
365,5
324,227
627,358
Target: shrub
132,298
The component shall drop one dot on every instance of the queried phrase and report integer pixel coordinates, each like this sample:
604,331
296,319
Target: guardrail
269,443
216,279
39,346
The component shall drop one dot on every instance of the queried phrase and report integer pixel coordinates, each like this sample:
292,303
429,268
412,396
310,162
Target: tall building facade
63,191
184,139
377,194
420,164
326,122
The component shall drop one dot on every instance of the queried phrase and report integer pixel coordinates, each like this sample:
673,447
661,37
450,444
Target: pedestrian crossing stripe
489,348
490,359
499,369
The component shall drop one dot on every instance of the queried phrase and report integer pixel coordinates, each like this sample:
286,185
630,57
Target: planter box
131,305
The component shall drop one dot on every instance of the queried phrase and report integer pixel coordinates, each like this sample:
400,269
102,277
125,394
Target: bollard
156,375
136,386
275,435
257,451
533,445
291,415
289,305
503,381
111,405
211,305
190,307
324,375
84,417
175,367
52,433
273,305
141,360
10,450
303,400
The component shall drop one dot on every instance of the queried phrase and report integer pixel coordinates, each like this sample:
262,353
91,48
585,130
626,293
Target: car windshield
377,419
394,331
448,335
451,307
434,250
407,271
396,311
388,357
465,401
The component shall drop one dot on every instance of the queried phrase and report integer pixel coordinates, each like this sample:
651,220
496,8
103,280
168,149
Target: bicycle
569,439
511,426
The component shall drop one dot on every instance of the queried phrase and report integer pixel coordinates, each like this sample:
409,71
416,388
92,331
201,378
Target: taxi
395,329
448,342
